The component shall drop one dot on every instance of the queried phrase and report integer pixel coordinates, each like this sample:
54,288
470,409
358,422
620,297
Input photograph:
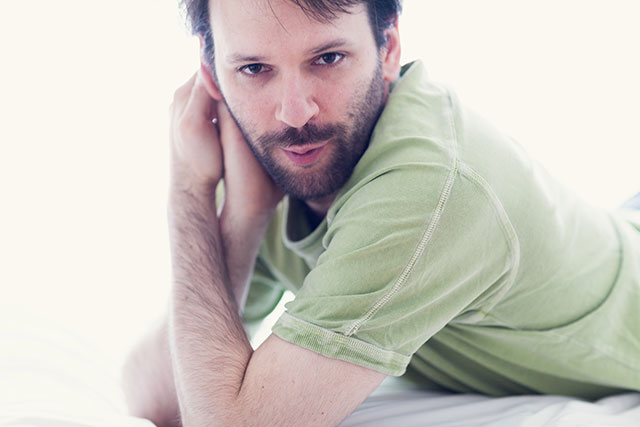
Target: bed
52,377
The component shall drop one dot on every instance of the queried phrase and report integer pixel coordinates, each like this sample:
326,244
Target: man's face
305,94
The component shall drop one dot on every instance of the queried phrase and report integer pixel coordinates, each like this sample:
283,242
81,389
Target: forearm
209,347
241,238
147,379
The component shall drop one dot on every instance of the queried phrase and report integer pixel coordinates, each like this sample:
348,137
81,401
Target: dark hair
382,15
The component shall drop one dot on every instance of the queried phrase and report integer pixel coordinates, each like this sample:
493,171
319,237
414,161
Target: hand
250,193
196,154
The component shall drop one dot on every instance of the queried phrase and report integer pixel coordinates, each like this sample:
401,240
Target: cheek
248,106
251,112
255,108
343,101
334,100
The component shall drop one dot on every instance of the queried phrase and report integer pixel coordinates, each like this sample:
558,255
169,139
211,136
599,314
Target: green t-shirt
449,249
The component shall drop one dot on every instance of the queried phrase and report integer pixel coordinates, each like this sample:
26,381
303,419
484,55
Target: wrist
192,192
190,207
242,235
254,221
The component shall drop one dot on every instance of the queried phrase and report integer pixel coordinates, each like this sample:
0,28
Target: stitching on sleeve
426,236
511,237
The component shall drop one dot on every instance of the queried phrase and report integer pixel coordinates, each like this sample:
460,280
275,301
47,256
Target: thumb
229,131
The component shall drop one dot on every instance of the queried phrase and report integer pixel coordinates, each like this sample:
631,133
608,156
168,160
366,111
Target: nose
296,105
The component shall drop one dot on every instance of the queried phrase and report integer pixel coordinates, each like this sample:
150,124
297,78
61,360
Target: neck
319,207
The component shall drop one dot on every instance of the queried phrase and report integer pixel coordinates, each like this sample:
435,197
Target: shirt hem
338,346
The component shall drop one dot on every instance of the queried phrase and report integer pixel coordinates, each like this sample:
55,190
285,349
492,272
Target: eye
253,69
330,58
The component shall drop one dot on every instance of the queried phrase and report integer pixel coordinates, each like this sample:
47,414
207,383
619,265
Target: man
412,232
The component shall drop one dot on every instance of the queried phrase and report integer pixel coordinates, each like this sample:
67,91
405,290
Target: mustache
310,133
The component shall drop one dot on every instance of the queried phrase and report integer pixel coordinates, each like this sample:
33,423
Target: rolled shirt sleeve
400,263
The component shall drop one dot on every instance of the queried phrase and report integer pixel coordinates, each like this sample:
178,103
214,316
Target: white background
84,92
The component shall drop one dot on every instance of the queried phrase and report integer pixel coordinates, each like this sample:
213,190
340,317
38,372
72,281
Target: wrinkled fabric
451,251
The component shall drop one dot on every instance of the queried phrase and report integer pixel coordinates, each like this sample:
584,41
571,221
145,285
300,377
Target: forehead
250,27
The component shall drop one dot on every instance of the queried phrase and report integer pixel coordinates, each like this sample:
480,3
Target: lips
304,155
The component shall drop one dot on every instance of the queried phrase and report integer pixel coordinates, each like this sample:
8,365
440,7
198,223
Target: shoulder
413,148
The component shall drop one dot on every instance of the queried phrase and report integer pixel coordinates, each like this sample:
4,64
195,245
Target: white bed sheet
423,408
50,377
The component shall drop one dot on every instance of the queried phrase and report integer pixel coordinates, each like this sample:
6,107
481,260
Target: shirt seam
508,231
426,236
559,330
357,351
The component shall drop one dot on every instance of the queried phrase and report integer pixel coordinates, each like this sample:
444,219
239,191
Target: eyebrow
328,46
239,58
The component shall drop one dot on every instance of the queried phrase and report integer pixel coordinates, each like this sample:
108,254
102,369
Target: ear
390,53
206,70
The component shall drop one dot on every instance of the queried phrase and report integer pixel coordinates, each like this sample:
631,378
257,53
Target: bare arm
147,379
147,376
250,200
220,380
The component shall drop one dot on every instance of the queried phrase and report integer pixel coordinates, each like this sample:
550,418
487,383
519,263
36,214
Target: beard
348,140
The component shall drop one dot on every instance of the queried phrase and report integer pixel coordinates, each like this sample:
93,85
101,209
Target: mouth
305,155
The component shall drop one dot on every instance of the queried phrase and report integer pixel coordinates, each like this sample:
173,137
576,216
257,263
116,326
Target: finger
200,105
227,125
181,95
195,120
